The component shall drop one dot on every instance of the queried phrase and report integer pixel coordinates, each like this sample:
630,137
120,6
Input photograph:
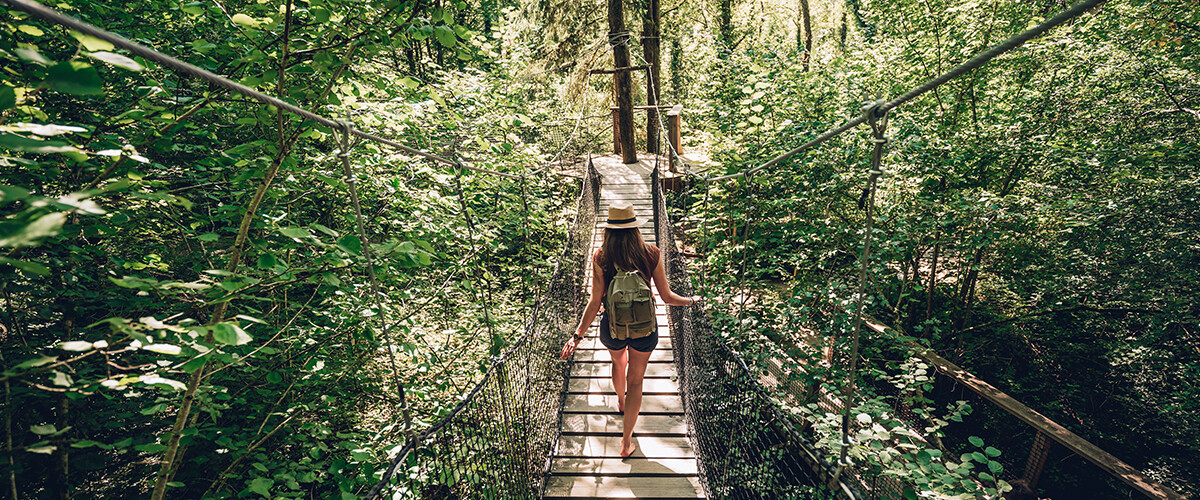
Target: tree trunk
804,34
62,454
676,70
8,434
842,32
650,47
622,80
725,28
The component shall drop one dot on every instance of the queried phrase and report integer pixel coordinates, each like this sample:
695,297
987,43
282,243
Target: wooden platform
588,463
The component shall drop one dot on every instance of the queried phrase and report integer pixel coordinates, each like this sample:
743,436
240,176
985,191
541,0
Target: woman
624,249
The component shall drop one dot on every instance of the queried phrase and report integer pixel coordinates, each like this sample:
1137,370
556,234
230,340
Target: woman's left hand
570,346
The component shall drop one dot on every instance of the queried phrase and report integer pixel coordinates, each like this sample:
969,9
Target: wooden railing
674,132
1047,429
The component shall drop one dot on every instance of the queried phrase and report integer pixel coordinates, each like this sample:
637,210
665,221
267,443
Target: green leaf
194,364
266,261
43,430
351,244
29,267
296,232
75,345
320,14
75,77
29,234
90,42
262,486
274,377
30,30
26,145
158,408
60,379
995,467
36,362
40,448
32,55
10,194
208,237
991,452
446,37
8,97
245,20
975,440
979,457
117,60
169,349
230,334
986,477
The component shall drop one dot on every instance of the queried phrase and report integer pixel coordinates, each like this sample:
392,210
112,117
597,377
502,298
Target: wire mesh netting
496,443
747,448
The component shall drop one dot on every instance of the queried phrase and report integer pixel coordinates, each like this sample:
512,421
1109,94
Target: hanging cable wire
380,313
877,117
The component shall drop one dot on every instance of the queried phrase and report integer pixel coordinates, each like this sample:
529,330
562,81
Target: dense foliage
1036,222
165,239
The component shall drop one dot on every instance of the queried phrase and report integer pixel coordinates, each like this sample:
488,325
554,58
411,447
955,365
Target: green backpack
630,306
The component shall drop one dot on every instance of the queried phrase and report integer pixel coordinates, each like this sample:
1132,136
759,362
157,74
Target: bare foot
627,449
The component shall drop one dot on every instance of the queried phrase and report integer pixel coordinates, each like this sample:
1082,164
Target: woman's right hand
569,347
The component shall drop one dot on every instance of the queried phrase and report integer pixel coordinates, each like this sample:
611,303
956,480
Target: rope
878,118
52,16
352,184
974,63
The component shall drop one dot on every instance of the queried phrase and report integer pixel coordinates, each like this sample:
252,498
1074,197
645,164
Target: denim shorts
644,344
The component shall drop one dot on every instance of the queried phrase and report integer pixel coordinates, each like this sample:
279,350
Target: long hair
625,249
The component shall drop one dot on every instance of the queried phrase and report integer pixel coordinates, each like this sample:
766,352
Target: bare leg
620,362
633,397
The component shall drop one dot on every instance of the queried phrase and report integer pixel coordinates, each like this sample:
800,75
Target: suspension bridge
536,426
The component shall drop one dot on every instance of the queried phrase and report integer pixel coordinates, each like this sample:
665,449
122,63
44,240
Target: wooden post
618,37
674,135
616,132
1037,460
650,48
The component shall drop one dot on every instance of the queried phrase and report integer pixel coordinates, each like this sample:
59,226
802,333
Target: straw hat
622,217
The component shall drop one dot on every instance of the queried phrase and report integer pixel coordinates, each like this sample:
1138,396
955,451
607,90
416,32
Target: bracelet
579,337
693,301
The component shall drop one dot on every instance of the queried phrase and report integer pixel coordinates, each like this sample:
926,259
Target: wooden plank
602,355
612,424
604,386
619,70
602,402
625,467
610,447
600,370
624,487
592,342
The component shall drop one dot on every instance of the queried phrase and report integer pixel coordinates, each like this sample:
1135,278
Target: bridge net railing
496,443
747,448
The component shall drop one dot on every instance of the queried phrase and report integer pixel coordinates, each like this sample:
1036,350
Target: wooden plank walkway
588,463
